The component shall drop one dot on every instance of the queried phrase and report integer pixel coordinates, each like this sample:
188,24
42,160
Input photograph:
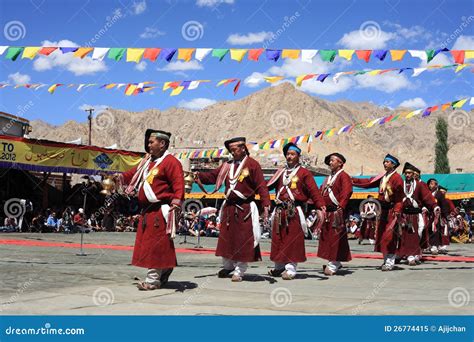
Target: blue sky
390,24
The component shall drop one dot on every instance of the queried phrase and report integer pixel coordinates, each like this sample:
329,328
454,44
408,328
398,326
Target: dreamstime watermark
104,120
13,208
370,30
192,30
110,21
466,21
14,30
459,119
459,297
192,297
281,119
287,22
17,294
103,296
280,297
46,330
370,296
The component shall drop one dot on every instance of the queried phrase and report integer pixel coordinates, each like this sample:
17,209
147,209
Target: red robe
438,237
153,246
409,243
386,237
333,243
236,239
288,240
367,227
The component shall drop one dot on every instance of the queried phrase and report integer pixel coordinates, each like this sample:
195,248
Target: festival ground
42,275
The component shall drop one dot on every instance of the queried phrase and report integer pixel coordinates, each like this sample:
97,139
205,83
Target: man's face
156,146
292,158
388,165
237,150
335,163
433,185
409,175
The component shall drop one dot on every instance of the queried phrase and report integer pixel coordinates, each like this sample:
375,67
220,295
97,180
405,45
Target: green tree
441,147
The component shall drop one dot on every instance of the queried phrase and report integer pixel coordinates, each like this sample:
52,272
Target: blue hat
392,159
291,146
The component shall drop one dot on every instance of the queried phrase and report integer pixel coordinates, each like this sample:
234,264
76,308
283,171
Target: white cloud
196,104
387,83
181,66
97,108
139,7
151,32
212,3
141,66
18,78
416,102
464,43
250,38
254,80
67,61
362,39
328,87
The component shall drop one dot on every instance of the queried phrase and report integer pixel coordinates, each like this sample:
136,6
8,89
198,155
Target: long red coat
236,239
437,237
288,240
386,235
409,243
333,243
153,247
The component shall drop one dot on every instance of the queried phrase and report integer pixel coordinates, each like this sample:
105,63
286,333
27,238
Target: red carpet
35,243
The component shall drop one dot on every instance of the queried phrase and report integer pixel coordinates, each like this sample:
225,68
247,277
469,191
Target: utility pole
89,117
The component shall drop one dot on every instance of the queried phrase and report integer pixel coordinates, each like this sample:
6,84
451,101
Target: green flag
327,55
116,53
219,53
13,53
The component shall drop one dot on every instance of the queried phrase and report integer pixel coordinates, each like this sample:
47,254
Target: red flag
47,50
458,56
254,54
236,88
364,54
151,54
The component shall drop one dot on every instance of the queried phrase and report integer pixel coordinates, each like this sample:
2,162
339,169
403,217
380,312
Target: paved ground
53,280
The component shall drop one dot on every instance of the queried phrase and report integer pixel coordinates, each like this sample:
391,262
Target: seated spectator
52,222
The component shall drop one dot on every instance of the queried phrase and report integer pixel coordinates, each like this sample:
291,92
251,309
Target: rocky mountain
278,112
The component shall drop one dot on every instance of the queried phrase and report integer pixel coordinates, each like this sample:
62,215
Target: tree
441,147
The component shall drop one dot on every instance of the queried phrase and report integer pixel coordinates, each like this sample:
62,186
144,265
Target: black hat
392,159
410,167
431,179
440,187
234,140
157,134
287,147
328,158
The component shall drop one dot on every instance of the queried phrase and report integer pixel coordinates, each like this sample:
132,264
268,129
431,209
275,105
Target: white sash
330,181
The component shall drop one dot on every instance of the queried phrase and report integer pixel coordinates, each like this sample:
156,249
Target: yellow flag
293,54
110,85
52,88
82,52
460,67
237,54
273,79
185,54
134,55
30,52
468,54
397,55
459,104
177,91
374,72
130,89
347,54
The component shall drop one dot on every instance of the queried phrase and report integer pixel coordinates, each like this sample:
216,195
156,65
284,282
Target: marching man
337,190
240,231
294,186
158,181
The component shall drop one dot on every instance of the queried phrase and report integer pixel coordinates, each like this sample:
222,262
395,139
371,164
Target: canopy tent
459,185
51,156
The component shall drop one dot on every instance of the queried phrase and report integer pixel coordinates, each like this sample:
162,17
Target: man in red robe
158,181
240,232
336,191
438,228
417,196
391,195
294,186
367,226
